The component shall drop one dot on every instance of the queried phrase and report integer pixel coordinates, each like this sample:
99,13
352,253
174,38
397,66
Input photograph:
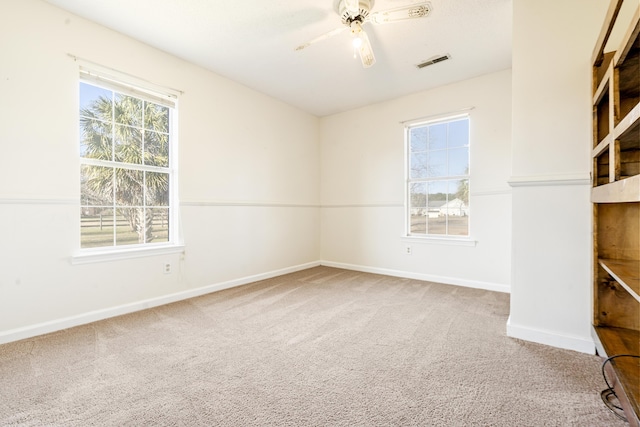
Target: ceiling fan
354,13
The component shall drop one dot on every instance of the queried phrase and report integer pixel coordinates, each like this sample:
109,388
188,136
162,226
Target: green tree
129,131
463,188
463,191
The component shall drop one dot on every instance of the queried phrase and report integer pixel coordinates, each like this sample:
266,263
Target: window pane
459,161
157,189
438,192
156,149
95,122
460,190
418,139
92,96
437,223
418,166
459,133
127,110
96,185
96,227
129,187
156,117
128,148
437,164
458,207
95,138
438,136
437,200
458,225
418,207
159,225
129,229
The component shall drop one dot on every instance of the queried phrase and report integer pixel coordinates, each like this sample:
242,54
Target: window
127,177
437,182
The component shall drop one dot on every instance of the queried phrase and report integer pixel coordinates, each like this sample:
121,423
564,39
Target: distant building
455,207
432,211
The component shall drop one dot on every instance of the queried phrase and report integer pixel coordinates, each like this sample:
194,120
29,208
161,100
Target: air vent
434,60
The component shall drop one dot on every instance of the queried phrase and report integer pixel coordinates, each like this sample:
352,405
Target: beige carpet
321,347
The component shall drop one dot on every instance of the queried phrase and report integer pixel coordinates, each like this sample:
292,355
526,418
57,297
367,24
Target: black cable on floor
609,391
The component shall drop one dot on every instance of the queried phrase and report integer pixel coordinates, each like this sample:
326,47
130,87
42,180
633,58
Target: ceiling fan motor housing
347,17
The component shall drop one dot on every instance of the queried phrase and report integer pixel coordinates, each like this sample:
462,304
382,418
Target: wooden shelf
618,341
627,370
629,122
627,273
623,191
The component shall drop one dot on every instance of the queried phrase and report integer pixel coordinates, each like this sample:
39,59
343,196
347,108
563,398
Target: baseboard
580,344
94,316
420,276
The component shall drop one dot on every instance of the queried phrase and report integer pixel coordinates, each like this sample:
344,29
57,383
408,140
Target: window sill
103,255
453,241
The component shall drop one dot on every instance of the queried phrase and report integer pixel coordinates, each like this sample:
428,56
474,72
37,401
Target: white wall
249,177
551,283
362,169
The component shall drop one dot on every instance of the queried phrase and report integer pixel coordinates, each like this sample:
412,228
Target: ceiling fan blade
418,10
320,38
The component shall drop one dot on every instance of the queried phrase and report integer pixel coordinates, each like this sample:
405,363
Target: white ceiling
252,42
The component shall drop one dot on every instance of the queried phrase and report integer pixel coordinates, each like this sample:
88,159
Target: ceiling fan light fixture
356,28
362,45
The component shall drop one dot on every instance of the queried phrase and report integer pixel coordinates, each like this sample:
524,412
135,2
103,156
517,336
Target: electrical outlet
167,268
407,250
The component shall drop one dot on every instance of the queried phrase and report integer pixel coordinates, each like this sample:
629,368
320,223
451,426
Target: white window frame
131,86
408,236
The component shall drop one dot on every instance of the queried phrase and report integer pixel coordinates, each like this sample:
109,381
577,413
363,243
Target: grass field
97,232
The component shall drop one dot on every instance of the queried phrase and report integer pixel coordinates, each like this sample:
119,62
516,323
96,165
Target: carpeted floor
321,347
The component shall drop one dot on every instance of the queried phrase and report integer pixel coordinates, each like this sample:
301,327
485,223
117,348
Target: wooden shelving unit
616,200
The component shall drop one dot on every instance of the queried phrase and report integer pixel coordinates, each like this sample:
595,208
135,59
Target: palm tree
129,132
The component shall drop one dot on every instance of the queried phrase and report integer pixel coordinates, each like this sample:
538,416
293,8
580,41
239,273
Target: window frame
126,85
408,235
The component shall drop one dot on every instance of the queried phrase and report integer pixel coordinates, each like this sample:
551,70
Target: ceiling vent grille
434,60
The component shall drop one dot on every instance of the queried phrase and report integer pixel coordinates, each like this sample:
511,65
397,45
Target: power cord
607,393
